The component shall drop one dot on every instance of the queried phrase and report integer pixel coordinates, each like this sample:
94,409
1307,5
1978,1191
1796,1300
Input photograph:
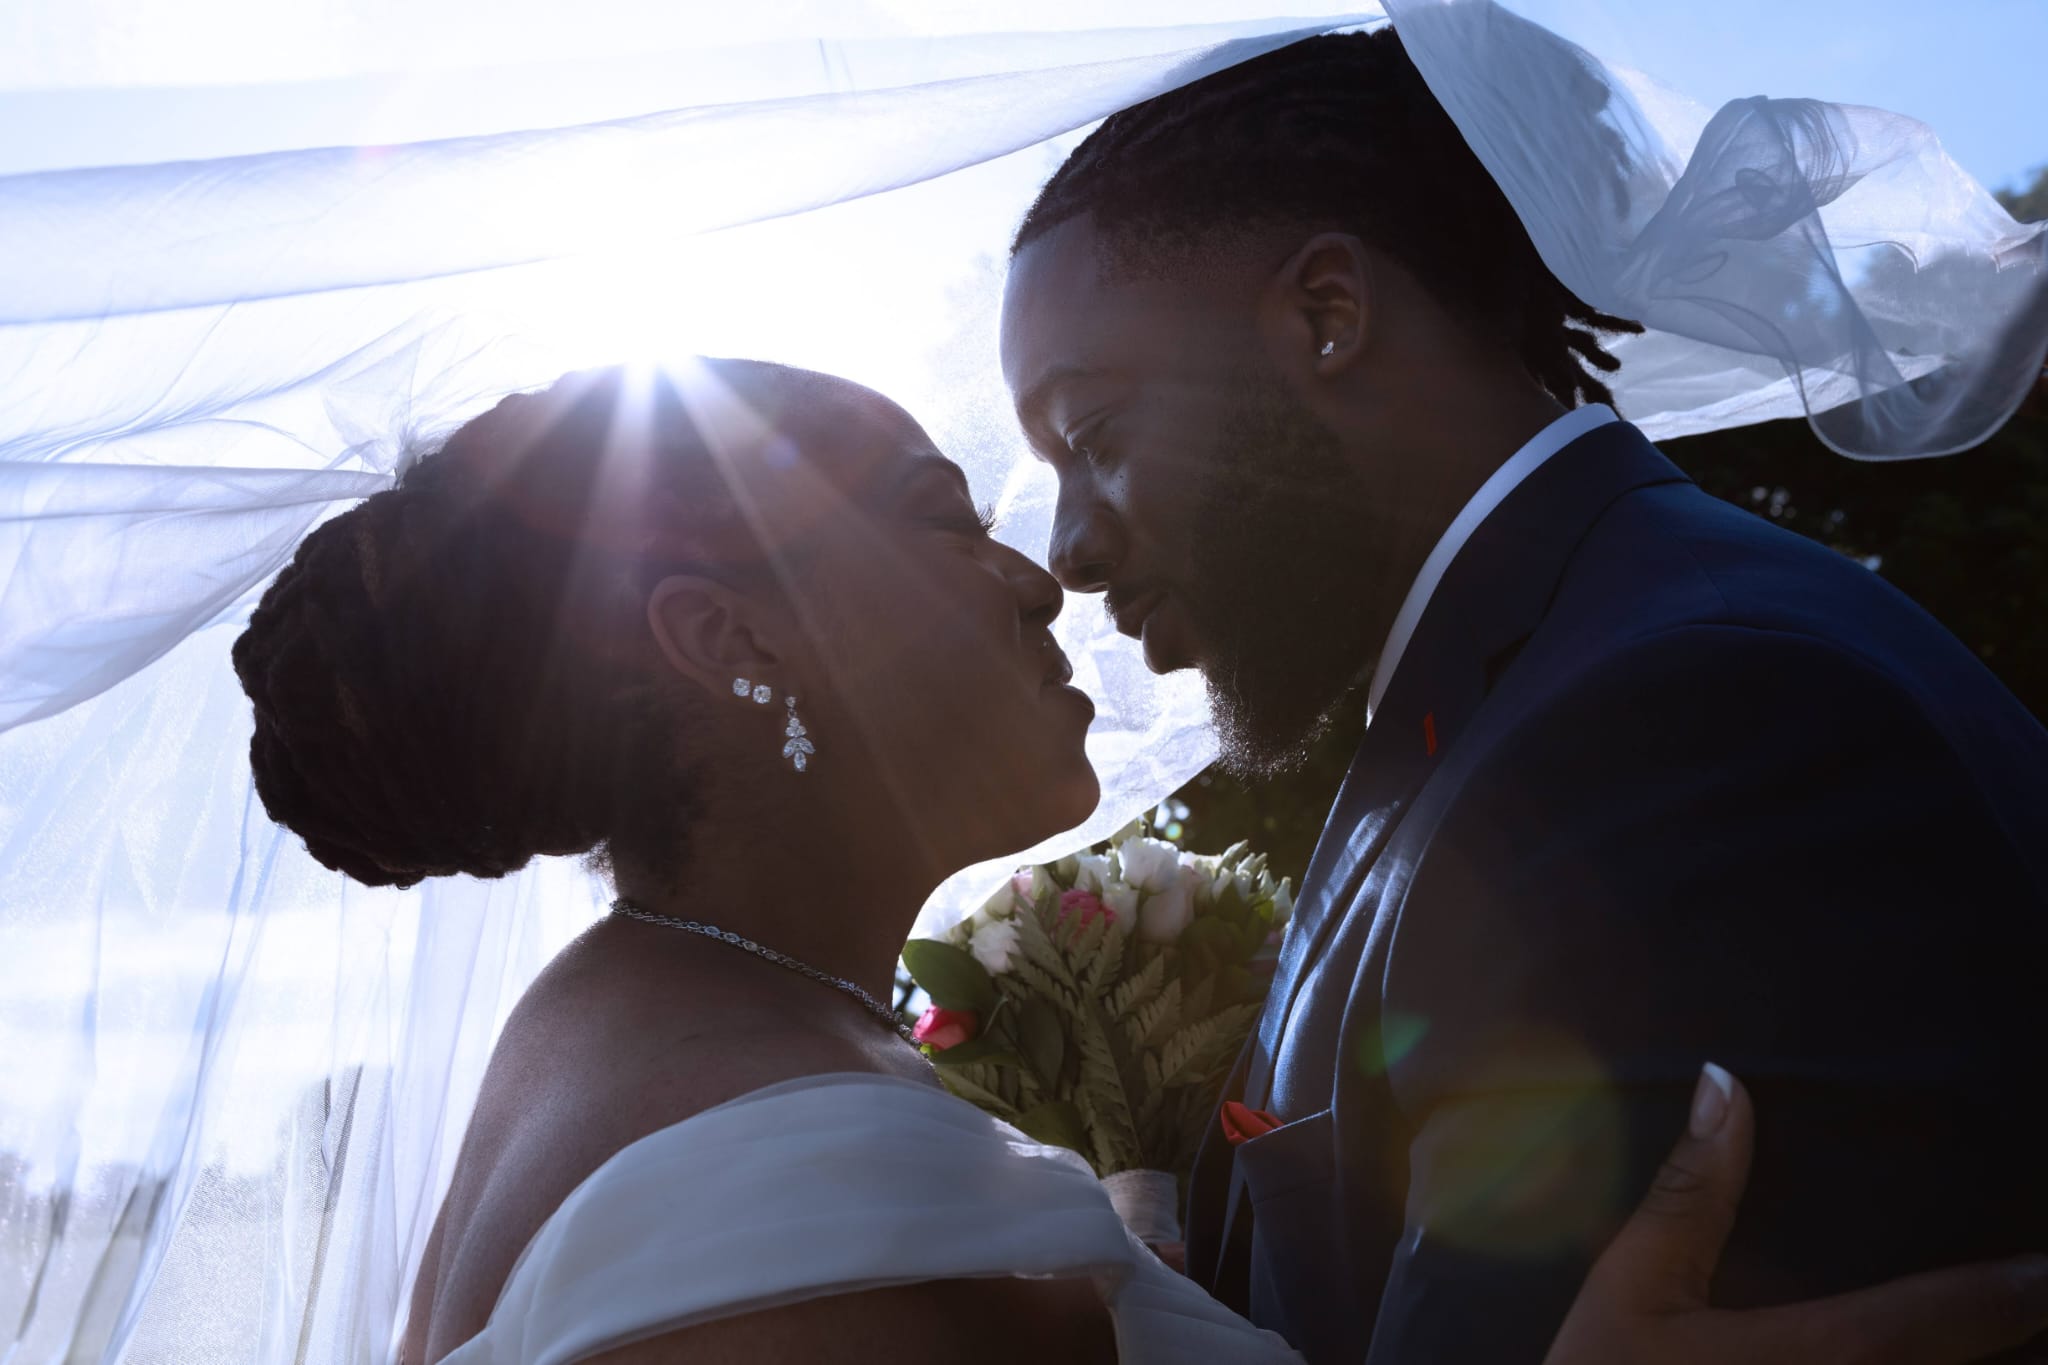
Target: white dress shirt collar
1491,494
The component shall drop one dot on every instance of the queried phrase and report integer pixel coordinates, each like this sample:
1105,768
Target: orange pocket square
1242,1124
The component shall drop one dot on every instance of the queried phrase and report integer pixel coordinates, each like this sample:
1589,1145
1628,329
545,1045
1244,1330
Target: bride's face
936,692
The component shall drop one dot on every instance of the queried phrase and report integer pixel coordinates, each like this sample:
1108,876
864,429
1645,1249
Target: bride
739,634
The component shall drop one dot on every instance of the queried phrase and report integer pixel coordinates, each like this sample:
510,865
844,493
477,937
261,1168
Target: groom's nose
1087,543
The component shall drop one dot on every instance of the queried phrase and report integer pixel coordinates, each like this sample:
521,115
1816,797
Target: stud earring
798,748
762,693
1329,348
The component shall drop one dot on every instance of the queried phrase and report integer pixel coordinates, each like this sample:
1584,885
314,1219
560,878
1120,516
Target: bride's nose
1039,598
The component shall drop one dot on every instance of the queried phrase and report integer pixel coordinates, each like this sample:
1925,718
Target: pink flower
939,1029
1086,905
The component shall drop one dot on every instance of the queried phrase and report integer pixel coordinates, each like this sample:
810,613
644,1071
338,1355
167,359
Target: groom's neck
1426,439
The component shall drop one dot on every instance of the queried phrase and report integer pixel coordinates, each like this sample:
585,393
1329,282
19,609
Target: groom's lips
1150,618
1131,615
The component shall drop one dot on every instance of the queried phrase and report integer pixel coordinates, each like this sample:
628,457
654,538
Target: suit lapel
1489,602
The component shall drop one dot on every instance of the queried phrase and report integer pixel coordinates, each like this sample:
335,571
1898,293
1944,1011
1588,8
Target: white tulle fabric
831,1185
231,1085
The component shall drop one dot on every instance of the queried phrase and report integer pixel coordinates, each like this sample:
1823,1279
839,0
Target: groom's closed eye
1089,443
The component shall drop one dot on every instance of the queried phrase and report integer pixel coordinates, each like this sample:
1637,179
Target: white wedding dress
828,1185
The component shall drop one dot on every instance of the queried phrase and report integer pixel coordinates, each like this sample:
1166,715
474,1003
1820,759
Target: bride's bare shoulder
590,1062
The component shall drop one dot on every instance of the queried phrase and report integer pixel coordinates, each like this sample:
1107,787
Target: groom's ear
1323,302
711,633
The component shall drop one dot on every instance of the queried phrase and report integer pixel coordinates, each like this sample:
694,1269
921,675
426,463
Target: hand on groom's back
1646,1298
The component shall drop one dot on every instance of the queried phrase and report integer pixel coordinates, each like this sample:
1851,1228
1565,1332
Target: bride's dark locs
456,675
528,646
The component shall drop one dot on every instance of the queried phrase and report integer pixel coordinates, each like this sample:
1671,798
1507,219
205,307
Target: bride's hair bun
456,675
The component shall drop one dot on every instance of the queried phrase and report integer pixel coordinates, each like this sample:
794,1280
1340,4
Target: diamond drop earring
1329,348
798,749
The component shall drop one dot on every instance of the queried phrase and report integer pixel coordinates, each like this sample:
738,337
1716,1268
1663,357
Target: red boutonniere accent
1242,1123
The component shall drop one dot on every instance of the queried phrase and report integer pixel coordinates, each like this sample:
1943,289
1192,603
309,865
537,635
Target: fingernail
1710,1100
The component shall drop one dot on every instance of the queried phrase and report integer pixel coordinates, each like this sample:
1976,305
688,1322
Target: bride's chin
1080,794
1070,798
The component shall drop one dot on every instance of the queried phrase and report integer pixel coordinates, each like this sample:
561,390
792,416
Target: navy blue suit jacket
1656,783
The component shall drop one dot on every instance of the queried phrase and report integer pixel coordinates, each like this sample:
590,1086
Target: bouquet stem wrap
1148,1202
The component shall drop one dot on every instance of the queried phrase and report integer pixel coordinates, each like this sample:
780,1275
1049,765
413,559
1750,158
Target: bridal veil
231,1084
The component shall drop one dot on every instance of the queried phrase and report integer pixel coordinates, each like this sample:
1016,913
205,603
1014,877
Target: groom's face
1212,509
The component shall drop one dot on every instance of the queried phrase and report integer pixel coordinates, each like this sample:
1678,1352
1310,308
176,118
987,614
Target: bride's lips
1059,679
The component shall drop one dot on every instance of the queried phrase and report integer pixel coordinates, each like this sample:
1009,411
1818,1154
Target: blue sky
1975,70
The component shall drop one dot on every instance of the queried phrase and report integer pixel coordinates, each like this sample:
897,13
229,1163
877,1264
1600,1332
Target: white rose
994,944
1000,906
1166,913
1150,864
1091,871
1122,898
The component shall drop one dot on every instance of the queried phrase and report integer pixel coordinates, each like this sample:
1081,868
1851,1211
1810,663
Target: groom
1645,780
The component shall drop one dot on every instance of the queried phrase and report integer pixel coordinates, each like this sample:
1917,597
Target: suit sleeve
1729,845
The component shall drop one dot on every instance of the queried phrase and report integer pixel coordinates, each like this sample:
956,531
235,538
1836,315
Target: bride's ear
1324,302
709,633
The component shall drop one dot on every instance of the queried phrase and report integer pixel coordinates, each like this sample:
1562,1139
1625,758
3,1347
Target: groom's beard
1282,589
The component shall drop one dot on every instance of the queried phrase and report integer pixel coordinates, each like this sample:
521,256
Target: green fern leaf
1083,945
1103,1084
1109,956
1140,989
1042,953
1184,1048
1041,981
1195,1053
961,1082
1160,1019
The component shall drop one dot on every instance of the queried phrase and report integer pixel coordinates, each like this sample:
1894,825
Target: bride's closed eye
976,523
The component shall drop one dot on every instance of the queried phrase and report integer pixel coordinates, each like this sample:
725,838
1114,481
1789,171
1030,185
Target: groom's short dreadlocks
1338,131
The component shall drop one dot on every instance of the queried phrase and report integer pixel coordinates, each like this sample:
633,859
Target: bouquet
1098,1003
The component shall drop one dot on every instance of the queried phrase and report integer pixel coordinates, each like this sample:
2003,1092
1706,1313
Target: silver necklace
888,1016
